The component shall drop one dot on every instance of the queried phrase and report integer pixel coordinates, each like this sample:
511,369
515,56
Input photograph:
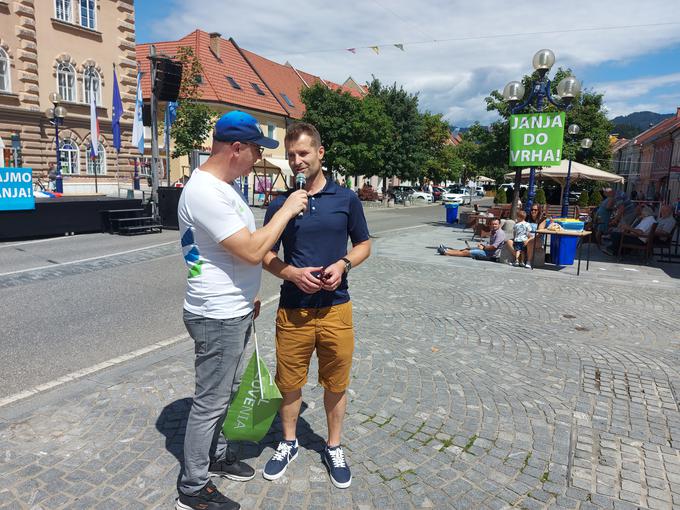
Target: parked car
457,195
480,191
437,193
423,196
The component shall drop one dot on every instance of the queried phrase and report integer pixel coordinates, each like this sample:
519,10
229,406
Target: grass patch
544,477
469,444
526,462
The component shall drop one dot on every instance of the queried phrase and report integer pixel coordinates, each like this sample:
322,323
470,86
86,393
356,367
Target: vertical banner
16,189
536,139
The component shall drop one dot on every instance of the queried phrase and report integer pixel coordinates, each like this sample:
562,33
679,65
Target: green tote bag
255,404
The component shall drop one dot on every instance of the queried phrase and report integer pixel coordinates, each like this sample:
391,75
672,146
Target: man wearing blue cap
224,253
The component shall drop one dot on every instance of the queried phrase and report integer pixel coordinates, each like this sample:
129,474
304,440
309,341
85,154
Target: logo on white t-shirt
192,257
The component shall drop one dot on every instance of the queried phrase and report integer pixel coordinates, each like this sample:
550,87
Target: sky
454,52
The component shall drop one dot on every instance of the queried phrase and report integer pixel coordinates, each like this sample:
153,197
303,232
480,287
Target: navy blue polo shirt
319,239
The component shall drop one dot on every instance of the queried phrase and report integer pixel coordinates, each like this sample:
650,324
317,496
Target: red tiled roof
665,126
215,86
342,88
281,79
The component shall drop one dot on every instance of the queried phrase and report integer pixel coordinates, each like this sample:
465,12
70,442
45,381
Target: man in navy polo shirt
315,312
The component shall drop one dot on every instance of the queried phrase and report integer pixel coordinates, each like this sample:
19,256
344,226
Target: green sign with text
536,139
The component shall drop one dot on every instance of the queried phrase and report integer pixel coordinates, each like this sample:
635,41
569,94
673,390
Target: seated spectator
666,222
520,235
482,251
536,220
624,211
603,214
633,234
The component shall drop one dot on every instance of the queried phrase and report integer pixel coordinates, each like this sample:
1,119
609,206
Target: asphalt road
62,314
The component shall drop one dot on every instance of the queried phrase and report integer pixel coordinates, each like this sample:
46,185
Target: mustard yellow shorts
301,330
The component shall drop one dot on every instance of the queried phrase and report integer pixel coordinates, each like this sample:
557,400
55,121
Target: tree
501,197
540,196
406,151
439,156
354,132
194,119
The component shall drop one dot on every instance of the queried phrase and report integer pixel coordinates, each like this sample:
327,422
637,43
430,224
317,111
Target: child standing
520,234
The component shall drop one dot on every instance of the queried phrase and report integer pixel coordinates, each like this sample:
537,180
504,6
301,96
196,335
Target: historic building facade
69,47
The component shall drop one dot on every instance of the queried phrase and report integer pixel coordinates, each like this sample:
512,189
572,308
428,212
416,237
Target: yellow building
67,47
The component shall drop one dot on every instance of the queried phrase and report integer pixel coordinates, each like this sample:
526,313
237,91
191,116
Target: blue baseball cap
239,126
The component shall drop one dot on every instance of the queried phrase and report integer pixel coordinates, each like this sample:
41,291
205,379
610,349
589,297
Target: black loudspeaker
168,79
146,114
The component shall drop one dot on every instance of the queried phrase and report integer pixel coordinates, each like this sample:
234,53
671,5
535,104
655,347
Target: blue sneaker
285,453
334,458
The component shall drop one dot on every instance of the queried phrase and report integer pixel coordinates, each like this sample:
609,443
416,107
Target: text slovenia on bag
256,402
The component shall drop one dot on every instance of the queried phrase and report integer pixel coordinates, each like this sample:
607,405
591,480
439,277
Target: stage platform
77,214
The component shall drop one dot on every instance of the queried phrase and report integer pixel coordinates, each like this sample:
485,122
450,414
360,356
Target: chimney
215,43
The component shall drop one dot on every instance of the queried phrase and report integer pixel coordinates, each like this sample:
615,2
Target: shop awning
273,164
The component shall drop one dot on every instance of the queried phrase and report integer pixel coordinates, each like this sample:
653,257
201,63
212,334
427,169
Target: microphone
300,181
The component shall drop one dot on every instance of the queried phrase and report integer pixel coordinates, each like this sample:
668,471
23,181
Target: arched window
92,84
66,82
68,151
87,14
64,10
98,163
5,82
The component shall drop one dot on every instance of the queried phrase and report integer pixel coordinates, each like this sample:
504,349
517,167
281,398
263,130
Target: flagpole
167,140
113,64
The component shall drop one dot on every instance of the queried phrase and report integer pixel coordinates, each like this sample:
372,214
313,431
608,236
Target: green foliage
354,132
501,197
439,156
540,196
588,112
407,145
584,199
194,119
524,195
595,197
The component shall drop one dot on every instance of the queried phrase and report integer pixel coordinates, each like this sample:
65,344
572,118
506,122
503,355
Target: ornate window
68,151
97,164
92,83
66,82
5,82
64,10
87,14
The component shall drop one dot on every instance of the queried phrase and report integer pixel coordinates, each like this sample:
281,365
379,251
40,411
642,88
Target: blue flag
117,113
170,113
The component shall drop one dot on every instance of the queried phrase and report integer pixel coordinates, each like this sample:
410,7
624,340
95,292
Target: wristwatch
348,264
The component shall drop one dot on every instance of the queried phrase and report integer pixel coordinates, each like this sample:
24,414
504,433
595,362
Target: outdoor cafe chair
646,248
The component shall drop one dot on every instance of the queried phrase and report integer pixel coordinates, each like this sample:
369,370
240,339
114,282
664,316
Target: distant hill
627,126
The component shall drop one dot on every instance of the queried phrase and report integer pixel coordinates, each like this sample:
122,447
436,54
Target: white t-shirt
645,225
219,285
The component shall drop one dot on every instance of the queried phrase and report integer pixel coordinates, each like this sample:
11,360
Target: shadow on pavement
173,420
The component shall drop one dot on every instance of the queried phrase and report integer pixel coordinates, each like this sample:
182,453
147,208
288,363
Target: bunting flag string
352,50
400,46
376,49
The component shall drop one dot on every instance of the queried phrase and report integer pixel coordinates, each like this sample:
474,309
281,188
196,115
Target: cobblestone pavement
474,385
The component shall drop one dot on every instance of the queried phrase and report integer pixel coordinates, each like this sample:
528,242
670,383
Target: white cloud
453,76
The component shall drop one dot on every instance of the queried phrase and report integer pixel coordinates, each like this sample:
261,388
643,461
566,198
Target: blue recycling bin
451,213
563,249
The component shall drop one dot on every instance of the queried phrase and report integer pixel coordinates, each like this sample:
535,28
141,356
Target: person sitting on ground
482,251
520,235
666,222
632,234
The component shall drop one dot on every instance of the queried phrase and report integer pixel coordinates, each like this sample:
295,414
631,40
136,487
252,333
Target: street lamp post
56,114
585,144
567,89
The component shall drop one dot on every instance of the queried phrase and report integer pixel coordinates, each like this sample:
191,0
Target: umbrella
578,171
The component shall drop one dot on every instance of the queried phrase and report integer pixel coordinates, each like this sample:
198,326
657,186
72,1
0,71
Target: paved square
474,385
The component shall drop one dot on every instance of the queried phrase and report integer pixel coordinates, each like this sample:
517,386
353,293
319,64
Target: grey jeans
219,346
